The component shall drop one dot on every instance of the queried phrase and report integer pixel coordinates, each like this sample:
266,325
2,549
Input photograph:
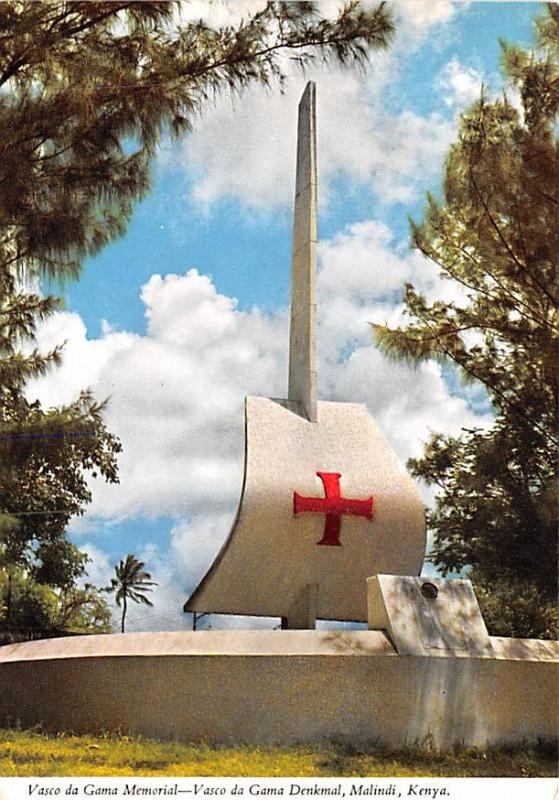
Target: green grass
25,754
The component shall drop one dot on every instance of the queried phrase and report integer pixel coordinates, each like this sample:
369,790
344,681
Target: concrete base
236,687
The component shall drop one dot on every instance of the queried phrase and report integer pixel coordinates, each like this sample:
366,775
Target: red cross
333,505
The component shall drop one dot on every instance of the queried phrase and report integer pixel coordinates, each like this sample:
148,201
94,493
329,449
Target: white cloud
460,85
177,394
421,15
424,14
350,299
63,386
99,569
196,542
244,150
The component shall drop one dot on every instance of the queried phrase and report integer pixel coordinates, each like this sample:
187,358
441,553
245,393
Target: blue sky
177,354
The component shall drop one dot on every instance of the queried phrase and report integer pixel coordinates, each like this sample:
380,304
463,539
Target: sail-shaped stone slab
274,556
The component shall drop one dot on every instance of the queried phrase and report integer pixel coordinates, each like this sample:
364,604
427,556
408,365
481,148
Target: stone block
427,616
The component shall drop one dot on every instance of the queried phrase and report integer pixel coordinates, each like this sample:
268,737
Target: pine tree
88,88
496,235
45,456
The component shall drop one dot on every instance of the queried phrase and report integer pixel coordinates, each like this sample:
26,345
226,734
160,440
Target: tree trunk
9,603
123,614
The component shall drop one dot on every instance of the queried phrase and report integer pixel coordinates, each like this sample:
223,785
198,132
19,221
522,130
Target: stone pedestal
428,616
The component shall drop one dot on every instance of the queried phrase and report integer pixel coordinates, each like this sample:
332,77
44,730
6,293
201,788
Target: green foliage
93,86
45,456
516,608
37,610
496,237
131,583
82,610
31,606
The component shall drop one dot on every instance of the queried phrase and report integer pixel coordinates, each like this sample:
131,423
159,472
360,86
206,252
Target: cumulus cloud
176,393
244,150
350,299
423,15
99,569
460,85
217,13
247,152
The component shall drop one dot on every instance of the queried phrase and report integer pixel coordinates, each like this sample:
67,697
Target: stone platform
259,687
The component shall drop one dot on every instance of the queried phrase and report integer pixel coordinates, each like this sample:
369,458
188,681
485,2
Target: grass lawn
25,754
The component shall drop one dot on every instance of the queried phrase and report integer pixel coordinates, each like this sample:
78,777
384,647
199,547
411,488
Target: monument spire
302,340
325,504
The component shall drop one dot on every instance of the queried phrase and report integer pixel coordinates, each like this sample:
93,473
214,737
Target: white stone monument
325,503
329,526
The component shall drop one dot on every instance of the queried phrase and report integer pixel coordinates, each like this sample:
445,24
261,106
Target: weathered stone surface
257,687
272,555
428,616
302,344
201,643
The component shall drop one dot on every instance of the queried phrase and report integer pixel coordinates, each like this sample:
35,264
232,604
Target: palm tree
131,582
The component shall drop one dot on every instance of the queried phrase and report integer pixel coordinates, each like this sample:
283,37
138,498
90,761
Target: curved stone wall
235,687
